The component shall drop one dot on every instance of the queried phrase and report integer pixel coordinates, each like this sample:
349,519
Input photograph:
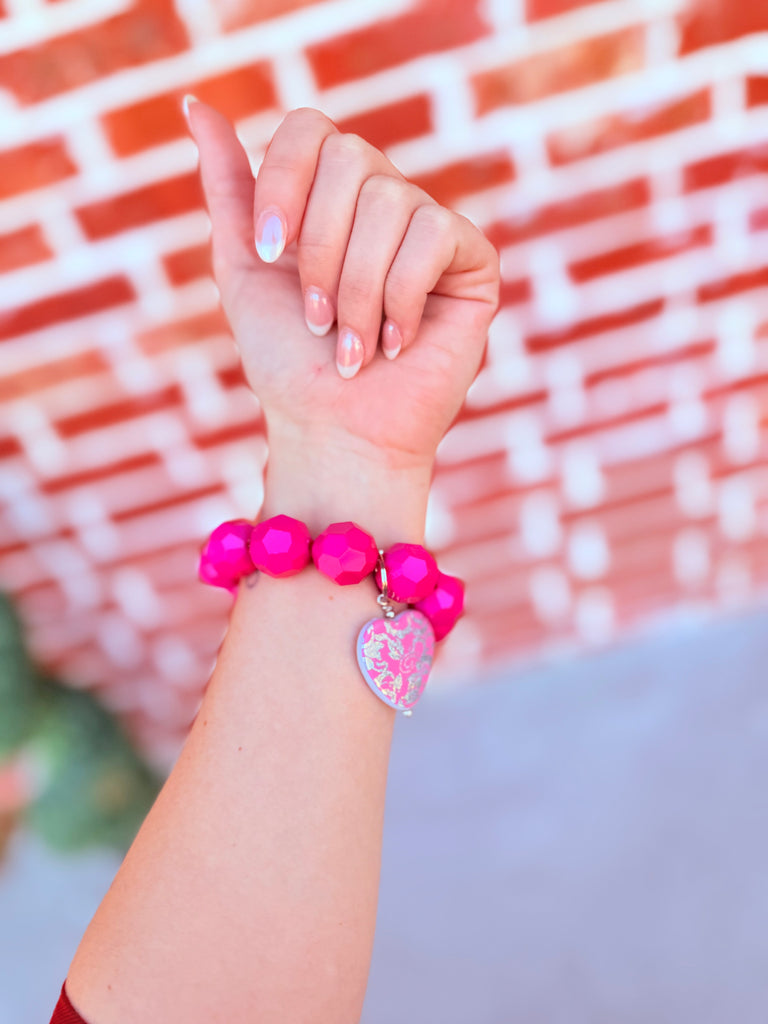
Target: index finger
285,179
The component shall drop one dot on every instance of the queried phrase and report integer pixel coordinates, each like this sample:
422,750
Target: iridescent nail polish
270,234
318,311
391,339
349,353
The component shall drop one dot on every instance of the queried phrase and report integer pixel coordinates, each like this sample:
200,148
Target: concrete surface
584,843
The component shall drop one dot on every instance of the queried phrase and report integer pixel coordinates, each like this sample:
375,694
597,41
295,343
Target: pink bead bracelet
281,546
394,651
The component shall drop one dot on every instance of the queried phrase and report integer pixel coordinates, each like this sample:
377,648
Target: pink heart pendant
395,656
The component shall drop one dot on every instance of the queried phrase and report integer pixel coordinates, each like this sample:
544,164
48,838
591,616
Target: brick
571,67
117,412
188,264
697,350
535,10
147,32
69,481
169,500
236,13
717,170
510,404
9,446
710,22
143,206
481,478
639,253
515,293
392,123
22,247
244,431
233,376
733,285
581,209
465,176
757,91
51,372
92,298
593,137
542,342
237,94
608,423
182,332
431,27
34,166
754,383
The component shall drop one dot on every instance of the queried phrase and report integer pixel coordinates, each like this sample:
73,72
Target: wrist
325,479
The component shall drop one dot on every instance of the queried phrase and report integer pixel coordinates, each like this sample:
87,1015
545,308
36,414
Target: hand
379,248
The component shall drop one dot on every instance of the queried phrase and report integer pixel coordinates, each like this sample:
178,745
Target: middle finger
344,165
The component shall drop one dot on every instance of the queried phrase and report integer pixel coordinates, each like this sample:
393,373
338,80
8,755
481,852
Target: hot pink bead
280,546
444,605
411,572
225,558
345,553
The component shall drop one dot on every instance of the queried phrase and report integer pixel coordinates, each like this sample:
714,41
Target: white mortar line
31,24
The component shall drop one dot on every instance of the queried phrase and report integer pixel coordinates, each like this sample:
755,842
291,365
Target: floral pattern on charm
395,657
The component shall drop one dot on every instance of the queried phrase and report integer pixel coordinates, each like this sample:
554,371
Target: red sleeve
65,1013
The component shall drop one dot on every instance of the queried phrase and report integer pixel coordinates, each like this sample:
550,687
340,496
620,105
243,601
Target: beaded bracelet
394,652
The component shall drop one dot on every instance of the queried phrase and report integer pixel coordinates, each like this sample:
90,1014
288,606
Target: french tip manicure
391,340
318,311
186,103
270,235
348,372
349,354
319,332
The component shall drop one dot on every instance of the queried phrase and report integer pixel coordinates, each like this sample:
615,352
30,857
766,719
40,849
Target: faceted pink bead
444,605
224,558
280,546
345,553
411,572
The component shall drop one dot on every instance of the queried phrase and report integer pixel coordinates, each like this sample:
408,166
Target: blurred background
576,827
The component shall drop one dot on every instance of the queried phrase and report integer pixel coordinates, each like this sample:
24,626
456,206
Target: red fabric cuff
65,1013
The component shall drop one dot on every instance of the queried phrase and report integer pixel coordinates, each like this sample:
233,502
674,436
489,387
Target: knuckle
381,188
433,219
314,243
355,291
306,117
398,286
315,262
344,148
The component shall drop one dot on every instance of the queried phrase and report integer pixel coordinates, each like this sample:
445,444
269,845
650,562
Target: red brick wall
609,468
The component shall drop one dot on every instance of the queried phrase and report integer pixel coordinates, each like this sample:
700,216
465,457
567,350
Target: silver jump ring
383,599
383,574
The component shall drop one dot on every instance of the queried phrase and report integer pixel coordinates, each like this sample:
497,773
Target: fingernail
391,339
318,311
349,353
270,234
186,103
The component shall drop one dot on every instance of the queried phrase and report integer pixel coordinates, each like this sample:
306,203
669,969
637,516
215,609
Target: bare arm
250,892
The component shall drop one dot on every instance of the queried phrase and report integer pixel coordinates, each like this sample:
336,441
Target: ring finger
344,165
384,209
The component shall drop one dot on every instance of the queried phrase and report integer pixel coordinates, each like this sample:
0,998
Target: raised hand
356,265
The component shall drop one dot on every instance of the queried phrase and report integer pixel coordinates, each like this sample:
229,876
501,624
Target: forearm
250,892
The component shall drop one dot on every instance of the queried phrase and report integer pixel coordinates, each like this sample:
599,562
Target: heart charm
395,656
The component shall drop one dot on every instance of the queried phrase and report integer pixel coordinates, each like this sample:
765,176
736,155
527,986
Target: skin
250,891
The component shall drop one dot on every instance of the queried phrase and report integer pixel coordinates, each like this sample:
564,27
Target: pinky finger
427,250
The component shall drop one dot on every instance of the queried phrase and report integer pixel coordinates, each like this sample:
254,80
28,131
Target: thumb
227,183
